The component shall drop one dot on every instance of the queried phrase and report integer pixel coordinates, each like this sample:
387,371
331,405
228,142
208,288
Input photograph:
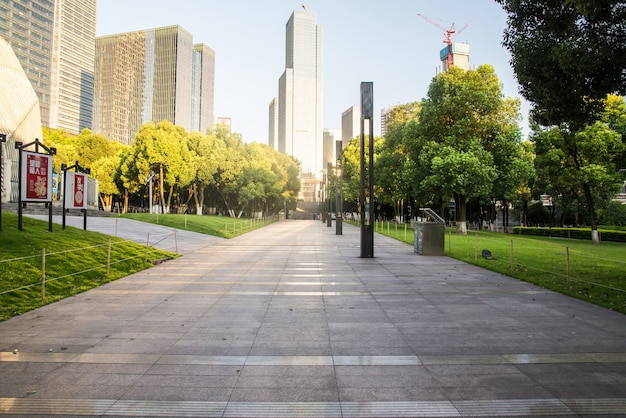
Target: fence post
512,261
476,248
185,220
569,286
109,259
147,244
43,274
449,241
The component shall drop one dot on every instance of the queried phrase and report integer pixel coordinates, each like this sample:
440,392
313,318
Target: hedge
573,233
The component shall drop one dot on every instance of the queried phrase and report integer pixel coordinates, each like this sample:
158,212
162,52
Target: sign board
76,191
36,177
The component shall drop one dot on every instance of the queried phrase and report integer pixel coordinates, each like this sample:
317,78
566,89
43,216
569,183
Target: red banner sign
36,177
76,191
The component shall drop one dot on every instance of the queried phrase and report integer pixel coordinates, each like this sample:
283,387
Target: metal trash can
430,235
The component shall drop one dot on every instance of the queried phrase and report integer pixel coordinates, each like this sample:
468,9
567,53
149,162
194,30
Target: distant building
350,124
460,56
54,42
300,93
149,76
272,140
331,136
385,115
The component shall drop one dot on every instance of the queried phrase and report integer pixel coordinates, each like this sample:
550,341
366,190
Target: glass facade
72,67
300,93
152,75
53,40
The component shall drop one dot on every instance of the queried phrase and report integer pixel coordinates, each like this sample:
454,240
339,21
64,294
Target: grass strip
75,261
219,226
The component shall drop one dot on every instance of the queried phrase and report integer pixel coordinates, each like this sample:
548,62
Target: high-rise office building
150,76
54,42
331,136
385,115
350,124
300,93
456,54
273,124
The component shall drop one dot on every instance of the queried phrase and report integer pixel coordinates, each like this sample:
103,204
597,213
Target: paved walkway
161,237
289,321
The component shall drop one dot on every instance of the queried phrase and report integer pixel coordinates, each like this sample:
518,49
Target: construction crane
448,34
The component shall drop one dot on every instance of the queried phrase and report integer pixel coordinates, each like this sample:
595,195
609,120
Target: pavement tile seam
444,408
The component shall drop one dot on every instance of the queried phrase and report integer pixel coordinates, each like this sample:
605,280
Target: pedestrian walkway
158,236
288,320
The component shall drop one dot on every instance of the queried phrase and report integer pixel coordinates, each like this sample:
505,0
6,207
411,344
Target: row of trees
463,143
190,171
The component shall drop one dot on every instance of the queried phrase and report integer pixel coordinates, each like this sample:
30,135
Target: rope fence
107,262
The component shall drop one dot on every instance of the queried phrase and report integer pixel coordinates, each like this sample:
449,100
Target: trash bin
430,235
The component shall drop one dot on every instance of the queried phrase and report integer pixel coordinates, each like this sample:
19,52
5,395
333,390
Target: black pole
20,225
367,112
3,139
64,169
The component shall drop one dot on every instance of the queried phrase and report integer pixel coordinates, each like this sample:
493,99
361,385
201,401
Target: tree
231,164
583,162
162,148
393,189
104,170
65,144
206,158
463,123
568,56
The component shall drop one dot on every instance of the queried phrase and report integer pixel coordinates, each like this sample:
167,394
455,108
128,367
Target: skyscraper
54,42
152,75
350,124
300,93
273,124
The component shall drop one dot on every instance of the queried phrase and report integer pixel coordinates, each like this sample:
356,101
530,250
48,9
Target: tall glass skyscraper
54,42
300,93
152,75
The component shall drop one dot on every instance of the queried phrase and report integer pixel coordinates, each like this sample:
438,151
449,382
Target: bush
613,214
573,233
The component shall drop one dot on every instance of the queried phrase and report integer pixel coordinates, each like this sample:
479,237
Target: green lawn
597,273
219,226
75,261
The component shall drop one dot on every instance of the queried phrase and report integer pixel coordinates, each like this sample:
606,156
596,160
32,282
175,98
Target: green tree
463,123
65,144
390,178
567,55
162,148
204,151
230,147
583,162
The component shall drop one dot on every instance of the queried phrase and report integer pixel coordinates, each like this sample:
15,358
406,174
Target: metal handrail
433,214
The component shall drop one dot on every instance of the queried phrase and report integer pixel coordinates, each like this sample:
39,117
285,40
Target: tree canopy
568,56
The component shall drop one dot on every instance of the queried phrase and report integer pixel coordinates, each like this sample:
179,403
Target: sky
385,42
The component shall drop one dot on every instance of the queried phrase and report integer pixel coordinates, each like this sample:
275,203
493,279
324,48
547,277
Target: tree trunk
161,188
461,204
595,237
169,199
105,201
200,201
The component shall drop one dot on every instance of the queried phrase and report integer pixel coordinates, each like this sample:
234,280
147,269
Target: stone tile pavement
289,321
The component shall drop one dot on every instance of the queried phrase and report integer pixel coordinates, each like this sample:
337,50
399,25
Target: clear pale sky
385,42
